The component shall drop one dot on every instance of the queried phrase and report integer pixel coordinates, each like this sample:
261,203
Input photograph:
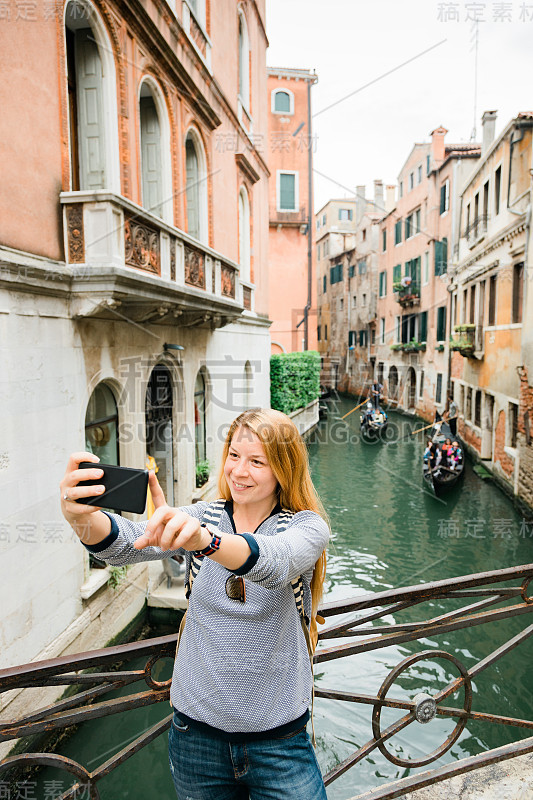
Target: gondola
440,478
371,429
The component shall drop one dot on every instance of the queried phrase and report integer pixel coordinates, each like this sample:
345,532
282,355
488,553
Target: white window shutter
152,188
91,133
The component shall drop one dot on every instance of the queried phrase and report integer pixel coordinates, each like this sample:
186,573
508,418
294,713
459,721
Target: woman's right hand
70,491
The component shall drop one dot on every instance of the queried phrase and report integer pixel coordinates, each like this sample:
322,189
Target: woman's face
247,470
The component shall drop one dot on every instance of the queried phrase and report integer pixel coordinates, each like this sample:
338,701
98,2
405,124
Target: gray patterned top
240,667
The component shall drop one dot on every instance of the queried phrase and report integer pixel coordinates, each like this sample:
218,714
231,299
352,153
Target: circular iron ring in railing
152,682
523,592
52,760
422,708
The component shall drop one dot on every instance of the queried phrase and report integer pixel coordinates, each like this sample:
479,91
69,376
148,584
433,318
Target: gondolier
451,415
377,388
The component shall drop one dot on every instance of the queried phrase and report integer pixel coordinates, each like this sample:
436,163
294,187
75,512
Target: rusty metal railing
483,598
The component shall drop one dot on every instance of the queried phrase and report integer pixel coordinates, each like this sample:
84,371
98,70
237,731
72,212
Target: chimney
488,122
437,144
391,197
378,196
360,203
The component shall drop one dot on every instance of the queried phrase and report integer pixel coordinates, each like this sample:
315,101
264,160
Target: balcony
476,230
123,256
407,294
296,219
468,340
414,346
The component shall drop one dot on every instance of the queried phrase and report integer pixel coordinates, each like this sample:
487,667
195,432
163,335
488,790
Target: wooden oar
366,400
424,429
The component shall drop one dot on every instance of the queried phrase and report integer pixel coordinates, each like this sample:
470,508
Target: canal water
387,532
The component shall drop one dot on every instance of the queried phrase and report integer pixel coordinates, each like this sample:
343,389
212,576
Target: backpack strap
212,515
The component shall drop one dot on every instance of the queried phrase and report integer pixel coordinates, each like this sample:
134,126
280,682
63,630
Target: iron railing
368,622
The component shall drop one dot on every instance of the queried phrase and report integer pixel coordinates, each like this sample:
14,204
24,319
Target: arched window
244,63
244,234
411,388
196,187
101,422
158,414
156,172
93,118
282,101
199,418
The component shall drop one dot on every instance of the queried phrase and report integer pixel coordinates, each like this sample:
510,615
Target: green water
387,532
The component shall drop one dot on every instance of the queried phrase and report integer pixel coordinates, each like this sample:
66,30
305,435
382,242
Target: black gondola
373,423
438,474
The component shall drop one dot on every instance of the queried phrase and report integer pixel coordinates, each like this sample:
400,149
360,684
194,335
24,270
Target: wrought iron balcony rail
484,597
477,227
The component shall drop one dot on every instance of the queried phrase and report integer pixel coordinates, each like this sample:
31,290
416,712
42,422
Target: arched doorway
411,388
200,419
158,414
393,383
101,423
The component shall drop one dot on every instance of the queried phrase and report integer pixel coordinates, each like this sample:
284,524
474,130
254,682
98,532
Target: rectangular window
445,197
382,330
438,389
373,336
441,323
335,273
287,191
362,266
325,283
351,270
411,180
397,273
318,332
492,299
398,329
497,190
354,301
468,404
384,240
398,232
441,256
401,188
426,267
417,221
472,317
352,338
364,300
421,384
382,283
326,332
477,409
419,173
486,200
318,224
323,219
513,424
363,338
325,248
423,326
518,292
318,251
428,164
408,227
345,214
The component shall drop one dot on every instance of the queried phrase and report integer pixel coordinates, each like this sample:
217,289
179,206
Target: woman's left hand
169,528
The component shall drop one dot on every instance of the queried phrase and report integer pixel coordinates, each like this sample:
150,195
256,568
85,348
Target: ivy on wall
294,380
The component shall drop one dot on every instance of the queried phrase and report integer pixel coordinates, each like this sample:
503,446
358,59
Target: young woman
242,680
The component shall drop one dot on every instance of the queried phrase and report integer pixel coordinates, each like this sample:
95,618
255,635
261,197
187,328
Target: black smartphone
125,488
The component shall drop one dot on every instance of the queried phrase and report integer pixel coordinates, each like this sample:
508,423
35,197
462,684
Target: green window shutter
407,227
423,326
407,268
287,192
397,273
384,240
282,102
444,255
438,258
325,282
443,198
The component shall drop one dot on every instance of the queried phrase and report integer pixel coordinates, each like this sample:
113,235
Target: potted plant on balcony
202,473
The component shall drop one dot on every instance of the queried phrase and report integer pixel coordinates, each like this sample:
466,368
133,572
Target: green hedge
294,380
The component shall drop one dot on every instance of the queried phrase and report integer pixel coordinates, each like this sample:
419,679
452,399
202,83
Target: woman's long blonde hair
287,457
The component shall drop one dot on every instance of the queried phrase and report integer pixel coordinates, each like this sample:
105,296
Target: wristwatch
213,545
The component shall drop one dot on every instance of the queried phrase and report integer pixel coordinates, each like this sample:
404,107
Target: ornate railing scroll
479,592
73,710
485,597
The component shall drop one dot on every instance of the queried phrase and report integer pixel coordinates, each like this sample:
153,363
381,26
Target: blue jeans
205,767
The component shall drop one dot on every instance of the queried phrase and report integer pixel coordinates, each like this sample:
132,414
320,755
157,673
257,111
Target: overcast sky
352,42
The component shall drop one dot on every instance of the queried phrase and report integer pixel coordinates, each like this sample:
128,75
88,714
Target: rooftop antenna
474,45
